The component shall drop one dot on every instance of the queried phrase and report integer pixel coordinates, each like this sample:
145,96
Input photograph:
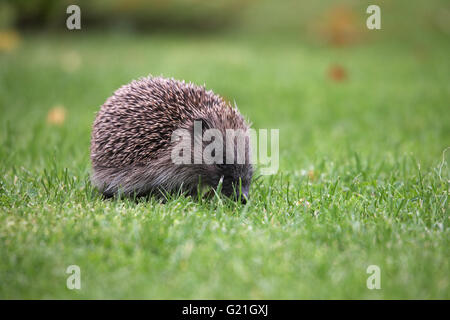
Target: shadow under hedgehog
132,141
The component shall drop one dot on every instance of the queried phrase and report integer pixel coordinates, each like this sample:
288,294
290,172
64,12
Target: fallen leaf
339,26
9,40
312,175
337,73
56,115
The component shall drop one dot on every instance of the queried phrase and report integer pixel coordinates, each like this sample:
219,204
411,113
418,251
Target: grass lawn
363,176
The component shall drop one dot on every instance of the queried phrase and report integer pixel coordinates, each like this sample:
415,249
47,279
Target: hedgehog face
233,174
237,176
236,180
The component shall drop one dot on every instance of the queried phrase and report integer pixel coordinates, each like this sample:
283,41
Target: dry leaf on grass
56,115
339,26
337,73
9,40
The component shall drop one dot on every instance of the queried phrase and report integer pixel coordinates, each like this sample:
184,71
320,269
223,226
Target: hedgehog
133,145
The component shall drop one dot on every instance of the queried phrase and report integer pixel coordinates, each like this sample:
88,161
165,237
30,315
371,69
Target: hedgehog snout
236,189
245,195
240,192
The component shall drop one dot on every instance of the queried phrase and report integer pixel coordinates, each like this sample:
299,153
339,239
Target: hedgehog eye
221,166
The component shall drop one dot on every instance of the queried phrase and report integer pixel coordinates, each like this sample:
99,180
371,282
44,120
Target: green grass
363,177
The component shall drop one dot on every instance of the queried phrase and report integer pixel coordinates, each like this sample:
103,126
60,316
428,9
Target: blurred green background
363,118
300,19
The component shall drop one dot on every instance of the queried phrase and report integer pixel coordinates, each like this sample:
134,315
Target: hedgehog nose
244,196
